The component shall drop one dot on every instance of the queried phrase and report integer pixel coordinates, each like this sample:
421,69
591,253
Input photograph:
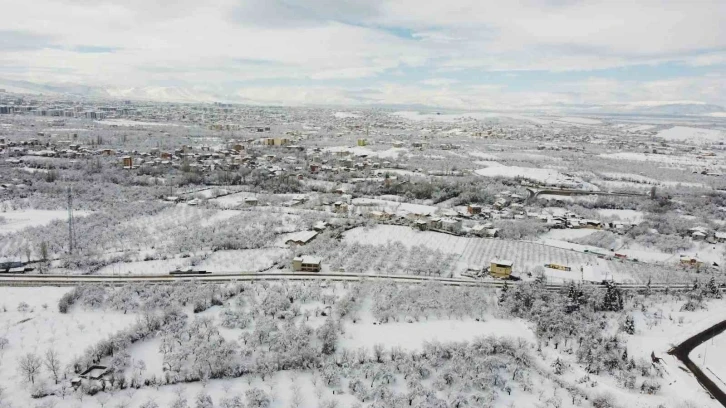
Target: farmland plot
478,252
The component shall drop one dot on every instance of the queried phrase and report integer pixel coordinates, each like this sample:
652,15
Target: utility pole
70,221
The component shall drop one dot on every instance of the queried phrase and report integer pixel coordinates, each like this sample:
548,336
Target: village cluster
553,261
452,175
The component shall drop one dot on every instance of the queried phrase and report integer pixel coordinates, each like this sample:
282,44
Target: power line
71,237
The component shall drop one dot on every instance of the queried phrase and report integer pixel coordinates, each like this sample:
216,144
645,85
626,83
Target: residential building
474,209
451,225
301,238
306,264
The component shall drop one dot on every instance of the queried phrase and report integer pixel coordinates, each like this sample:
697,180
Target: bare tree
103,399
296,399
29,366
52,363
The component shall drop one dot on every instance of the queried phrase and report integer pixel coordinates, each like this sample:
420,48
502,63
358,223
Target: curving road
682,351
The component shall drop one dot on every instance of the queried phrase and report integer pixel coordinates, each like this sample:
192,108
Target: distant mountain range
682,109
199,95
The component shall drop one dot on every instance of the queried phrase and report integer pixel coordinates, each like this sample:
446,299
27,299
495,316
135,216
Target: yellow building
362,142
691,261
500,268
275,141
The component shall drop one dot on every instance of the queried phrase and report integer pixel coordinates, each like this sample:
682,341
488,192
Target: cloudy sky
454,53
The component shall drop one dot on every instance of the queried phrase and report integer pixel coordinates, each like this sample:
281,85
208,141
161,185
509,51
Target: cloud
440,81
92,49
290,13
13,40
360,50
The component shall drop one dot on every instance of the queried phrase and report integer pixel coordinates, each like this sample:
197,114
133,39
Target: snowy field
658,325
527,256
711,358
541,175
126,122
579,121
392,153
232,200
484,156
19,219
40,327
412,336
657,330
245,260
567,233
393,206
153,267
684,161
631,216
345,115
683,133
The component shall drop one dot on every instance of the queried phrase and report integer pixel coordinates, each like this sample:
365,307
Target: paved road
221,277
682,351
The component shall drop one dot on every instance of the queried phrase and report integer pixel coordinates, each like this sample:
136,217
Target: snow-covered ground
639,128
232,200
344,115
392,153
542,175
153,267
661,328
527,256
394,207
40,328
686,161
579,121
484,156
126,122
412,336
684,133
246,260
16,220
711,358
631,216
567,233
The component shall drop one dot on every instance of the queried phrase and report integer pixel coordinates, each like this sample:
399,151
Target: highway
681,351
223,277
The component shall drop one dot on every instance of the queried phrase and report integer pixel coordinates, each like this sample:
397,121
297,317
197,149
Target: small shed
501,268
96,372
